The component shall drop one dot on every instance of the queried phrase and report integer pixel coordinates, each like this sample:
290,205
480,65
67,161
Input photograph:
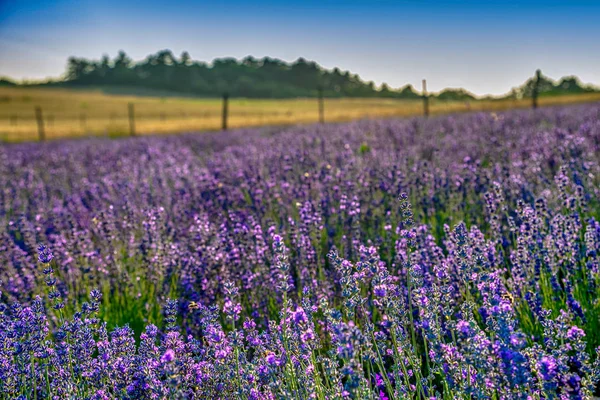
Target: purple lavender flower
575,333
168,357
548,367
478,281
45,255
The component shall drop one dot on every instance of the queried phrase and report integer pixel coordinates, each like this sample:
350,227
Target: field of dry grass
75,113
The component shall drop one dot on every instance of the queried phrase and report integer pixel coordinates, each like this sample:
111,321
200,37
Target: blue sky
484,46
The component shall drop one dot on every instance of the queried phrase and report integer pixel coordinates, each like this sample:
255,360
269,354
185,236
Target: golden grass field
79,113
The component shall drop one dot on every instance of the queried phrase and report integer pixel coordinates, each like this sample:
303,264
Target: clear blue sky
484,46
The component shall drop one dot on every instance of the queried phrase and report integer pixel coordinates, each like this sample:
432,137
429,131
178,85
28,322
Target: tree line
250,77
261,78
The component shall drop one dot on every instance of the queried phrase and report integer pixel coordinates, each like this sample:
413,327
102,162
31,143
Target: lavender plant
448,258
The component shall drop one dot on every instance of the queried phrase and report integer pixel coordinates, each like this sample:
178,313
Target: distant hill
249,77
6,82
455,95
259,78
549,87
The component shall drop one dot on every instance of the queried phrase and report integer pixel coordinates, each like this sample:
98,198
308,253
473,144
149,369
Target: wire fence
131,117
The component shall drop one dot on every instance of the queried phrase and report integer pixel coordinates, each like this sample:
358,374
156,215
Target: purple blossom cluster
449,258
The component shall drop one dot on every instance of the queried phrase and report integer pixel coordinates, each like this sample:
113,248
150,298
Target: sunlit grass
81,113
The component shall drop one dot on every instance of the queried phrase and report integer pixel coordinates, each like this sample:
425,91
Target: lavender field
454,257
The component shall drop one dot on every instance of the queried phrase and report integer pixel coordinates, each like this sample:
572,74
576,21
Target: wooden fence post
321,105
40,123
131,120
225,111
536,88
425,99
83,123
